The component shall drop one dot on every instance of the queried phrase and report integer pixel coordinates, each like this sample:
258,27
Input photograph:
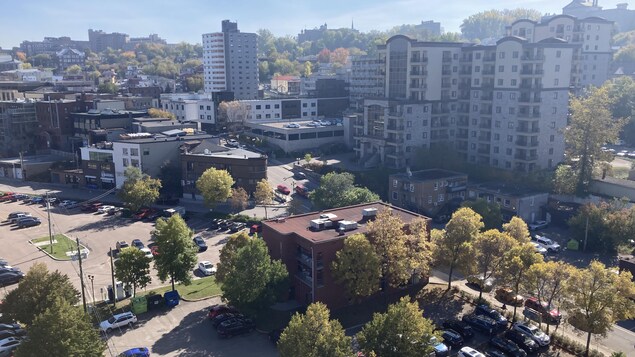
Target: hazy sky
186,20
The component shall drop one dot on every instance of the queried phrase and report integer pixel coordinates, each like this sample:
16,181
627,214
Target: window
498,110
429,199
497,124
515,54
554,110
258,106
557,68
425,135
409,110
508,152
510,125
501,55
267,106
552,125
125,162
441,197
550,151
258,116
276,106
496,149
200,107
507,202
477,69
558,54
476,94
304,105
555,95
436,186
395,183
512,110
500,82
412,188
146,151
556,82
313,105
552,138
209,107
394,195
134,152
514,68
497,137
124,151
501,68
408,124
510,138
499,95
512,95
513,82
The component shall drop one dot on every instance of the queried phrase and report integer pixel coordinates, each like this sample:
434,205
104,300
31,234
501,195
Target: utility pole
112,273
586,234
92,286
81,273
48,213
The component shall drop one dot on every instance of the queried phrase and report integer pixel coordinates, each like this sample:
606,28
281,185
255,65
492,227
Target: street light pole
92,286
48,213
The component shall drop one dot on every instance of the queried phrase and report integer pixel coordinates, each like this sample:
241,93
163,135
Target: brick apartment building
308,252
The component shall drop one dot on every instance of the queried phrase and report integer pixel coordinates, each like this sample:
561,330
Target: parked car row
11,336
223,225
229,322
23,219
8,274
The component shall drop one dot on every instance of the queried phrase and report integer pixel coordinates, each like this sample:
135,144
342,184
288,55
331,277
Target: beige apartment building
426,191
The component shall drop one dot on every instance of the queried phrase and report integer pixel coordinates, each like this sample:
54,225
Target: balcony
483,151
529,130
486,111
485,125
395,127
538,57
487,97
489,58
304,259
526,157
527,143
305,277
447,59
446,73
395,141
488,72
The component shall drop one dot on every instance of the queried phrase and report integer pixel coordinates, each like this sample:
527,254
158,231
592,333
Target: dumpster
139,305
172,298
155,301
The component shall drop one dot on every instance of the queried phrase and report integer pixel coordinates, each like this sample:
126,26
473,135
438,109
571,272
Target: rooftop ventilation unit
369,213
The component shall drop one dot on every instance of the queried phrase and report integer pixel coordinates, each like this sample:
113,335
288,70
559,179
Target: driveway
186,331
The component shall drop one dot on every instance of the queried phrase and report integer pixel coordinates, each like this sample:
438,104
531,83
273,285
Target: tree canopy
177,254
160,113
215,186
489,258
492,23
609,225
264,194
138,189
357,266
132,268
36,293
338,190
489,211
314,334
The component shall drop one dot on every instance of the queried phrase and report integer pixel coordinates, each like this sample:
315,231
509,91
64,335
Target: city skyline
69,18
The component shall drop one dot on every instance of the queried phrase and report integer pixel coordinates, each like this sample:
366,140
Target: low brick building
308,252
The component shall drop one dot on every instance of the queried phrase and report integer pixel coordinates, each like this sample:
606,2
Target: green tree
596,298
515,265
402,331
517,229
331,190
622,91
547,281
314,334
239,199
62,330
263,194
177,254
565,180
358,195
251,280
36,293
194,83
357,267
591,126
489,250
215,186
228,254
74,69
492,23
132,268
490,211
160,113
138,189
603,227
453,243
308,69
308,157
108,87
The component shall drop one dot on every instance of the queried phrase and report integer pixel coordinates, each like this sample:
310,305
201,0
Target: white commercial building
190,107
230,62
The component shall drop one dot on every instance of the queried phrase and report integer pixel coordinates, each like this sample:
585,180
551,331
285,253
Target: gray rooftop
211,147
431,174
506,189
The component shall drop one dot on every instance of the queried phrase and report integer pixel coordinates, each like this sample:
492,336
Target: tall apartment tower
503,105
230,62
592,60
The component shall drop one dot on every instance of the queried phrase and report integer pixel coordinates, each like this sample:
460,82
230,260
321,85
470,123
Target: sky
187,20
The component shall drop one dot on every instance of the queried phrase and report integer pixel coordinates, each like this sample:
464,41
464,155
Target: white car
469,352
104,208
116,321
532,332
537,225
293,126
68,204
539,249
147,252
8,345
551,246
207,268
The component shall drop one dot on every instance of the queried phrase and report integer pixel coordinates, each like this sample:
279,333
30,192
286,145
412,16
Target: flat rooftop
431,174
157,138
212,148
299,225
302,123
505,189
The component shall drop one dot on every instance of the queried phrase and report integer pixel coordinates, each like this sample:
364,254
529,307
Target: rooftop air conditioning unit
369,212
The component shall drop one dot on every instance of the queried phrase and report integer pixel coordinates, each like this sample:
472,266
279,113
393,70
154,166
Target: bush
572,346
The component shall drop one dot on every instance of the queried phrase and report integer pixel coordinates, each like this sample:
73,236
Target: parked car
233,143
223,317
477,280
207,268
440,349
452,338
137,243
135,352
469,352
549,314
495,353
256,228
537,225
299,175
200,243
12,327
459,326
8,345
539,248
485,310
533,332
523,341
14,215
9,333
18,216
147,252
510,348
121,245
213,224
292,126
506,295
155,250
141,214
8,197
118,320
481,323
113,211
220,309
104,208
237,226
225,224
68,204
37,200
235,327
29,222
283,189
10,277
551,246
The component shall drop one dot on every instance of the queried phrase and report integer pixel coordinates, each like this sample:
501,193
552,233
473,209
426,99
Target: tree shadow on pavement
195,336
104,224
439,304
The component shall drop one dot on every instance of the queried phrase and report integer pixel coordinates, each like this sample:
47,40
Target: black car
299,176
225,224
223,317
452,338
485,310
235,327
200,243
213,224
495,353
12,327
523,341
481,323
10,277
511,349
237,226
137,243
461,327
12,333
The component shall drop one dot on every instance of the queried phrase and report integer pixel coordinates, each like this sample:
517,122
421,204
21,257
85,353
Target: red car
143,213
155,250
6,197
302,191
283,189
219,309
551,315
91,207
